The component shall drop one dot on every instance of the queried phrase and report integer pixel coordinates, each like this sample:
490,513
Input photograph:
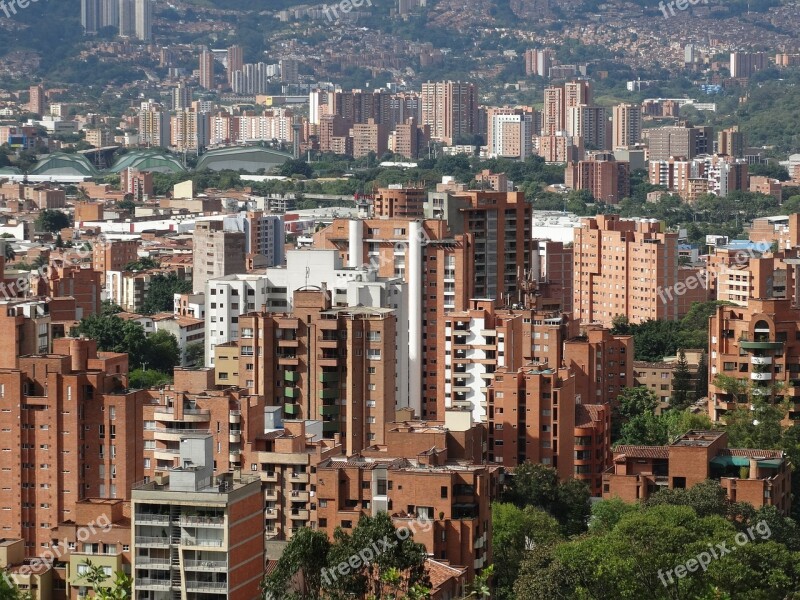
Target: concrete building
538,62
113,255
759,477
731,142
591,123
235,61
626,125
195,533
510,133
144,20
744,64
264,235
207,70
450,109
681,141
217,253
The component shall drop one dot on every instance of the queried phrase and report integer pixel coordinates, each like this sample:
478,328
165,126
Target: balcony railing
205,564
201,542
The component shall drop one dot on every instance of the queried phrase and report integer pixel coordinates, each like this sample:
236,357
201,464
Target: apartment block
624,268
437,266
591,123
113,255
370,137
731,141
759,477
336,365
510,132
217,253
678,141
139,184
606,180
755,344
99,533
557,102
658,376
559,148
195,533
420,474
399,201
627,125
33,579
745,64
48,397
538,62
450,109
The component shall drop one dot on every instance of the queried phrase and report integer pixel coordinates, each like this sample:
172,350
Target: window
373,354
444,491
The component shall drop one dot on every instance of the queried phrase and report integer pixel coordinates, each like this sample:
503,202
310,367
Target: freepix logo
679,4
10,7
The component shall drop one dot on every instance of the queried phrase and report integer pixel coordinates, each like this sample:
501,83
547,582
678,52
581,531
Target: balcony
291,409
298,514
291,392
189,521
761,376
235,417
299,477
330,426
764,345
205,565
300,496
328,359
207,586
288,360
165,454
329,410
234,437
288,343
291,376
152,519
152,562
269,476
151,542
201,542
234,456
153,584
271,494
190,415
760,360
328,377
329,394
270,514
175,435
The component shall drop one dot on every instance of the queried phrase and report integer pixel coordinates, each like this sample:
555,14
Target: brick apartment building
757,345
400,202
333,364
113,255
629,268
73,437
759,477
606,180
425,471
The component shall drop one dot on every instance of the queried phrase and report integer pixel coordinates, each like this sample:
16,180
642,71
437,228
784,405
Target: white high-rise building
144,20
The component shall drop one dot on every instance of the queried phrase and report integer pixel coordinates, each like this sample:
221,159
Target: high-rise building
607,180
127,18
154,126
207,70
47,467
196,533
450,109
235,61
604,290
558,100
189,130
370,137
510,133
139,184
538,62
109,13
591,124
90,15
290,70
264,235
627,125
744,64
678,141
399,201
181,97
36,105
144,19
731,142
216,253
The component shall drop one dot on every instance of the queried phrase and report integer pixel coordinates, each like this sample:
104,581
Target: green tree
52,221
681,384
405,555
756,425
8,252
644,430
515,531
119,589
140,379
293,168
9,591
305,557
161,351
538,485
701,385
143,264
161,293
195,354
631,403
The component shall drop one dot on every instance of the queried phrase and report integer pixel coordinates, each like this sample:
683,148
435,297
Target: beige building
626,125
216,253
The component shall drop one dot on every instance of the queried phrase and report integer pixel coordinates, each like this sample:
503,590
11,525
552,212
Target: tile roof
625,451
